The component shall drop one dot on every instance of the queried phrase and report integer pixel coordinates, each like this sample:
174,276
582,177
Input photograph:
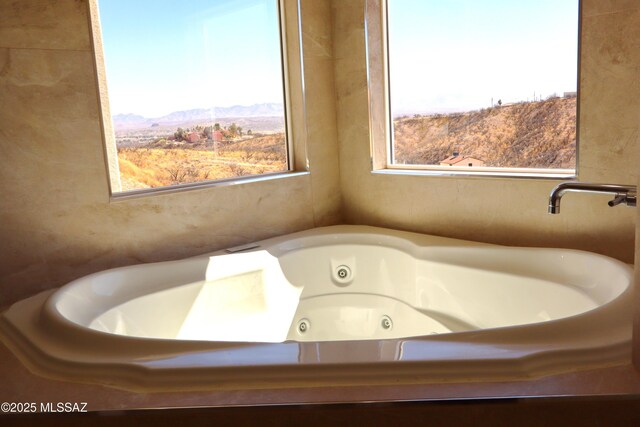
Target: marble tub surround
34,24
504,211
19,384
409,307
56,220
57,223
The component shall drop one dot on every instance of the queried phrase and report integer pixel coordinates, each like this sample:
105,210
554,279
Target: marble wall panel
319,91
37,24
505,211
57,222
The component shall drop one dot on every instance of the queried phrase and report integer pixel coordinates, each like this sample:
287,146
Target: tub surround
503,211
57,224
454,310
18,384
56,220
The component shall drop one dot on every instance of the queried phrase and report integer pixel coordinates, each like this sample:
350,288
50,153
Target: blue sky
445,55
167,55
456,55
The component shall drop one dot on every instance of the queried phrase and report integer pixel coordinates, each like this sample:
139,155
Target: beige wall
506,211
56,221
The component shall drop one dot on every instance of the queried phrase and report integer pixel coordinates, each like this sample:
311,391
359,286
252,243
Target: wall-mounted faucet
621,193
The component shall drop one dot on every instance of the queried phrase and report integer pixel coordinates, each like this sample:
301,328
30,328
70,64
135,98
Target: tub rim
114,370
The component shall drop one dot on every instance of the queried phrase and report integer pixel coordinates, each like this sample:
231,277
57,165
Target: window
483,86
196,91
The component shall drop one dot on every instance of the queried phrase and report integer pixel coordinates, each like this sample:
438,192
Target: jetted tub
342,304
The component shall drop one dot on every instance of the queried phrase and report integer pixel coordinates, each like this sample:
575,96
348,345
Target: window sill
148,192
559,174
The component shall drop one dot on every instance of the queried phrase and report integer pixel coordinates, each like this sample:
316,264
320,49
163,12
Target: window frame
293,99
381,120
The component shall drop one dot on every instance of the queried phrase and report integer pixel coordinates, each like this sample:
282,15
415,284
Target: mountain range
131,121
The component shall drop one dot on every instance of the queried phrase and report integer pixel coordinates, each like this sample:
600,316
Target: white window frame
381,122
294,111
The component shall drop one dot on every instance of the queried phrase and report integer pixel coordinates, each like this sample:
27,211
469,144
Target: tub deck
51,334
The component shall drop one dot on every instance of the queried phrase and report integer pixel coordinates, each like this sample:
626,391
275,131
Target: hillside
167,163
538,134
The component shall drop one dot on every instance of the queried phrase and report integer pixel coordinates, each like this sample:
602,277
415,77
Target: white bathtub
344,304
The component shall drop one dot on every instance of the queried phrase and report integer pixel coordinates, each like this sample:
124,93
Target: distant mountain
128,118
122,121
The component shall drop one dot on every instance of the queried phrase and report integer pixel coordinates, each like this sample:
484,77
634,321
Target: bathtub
333,305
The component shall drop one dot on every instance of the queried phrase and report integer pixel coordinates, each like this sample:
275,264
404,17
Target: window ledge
561,174
147,192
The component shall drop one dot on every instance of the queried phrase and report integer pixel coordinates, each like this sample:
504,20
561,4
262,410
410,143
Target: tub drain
386,323
303,326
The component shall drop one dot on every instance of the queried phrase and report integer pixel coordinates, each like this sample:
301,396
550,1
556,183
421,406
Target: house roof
452,160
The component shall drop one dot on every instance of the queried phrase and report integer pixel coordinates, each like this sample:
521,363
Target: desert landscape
188,146
165,162
191,146
540,134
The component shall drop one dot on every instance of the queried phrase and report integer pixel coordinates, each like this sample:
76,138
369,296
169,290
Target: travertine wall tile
322,134
316,32
56,220
600,7
38,24
610,93
505,211
57,223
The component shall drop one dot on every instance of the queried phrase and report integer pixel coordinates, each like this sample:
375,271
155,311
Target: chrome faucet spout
623,194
